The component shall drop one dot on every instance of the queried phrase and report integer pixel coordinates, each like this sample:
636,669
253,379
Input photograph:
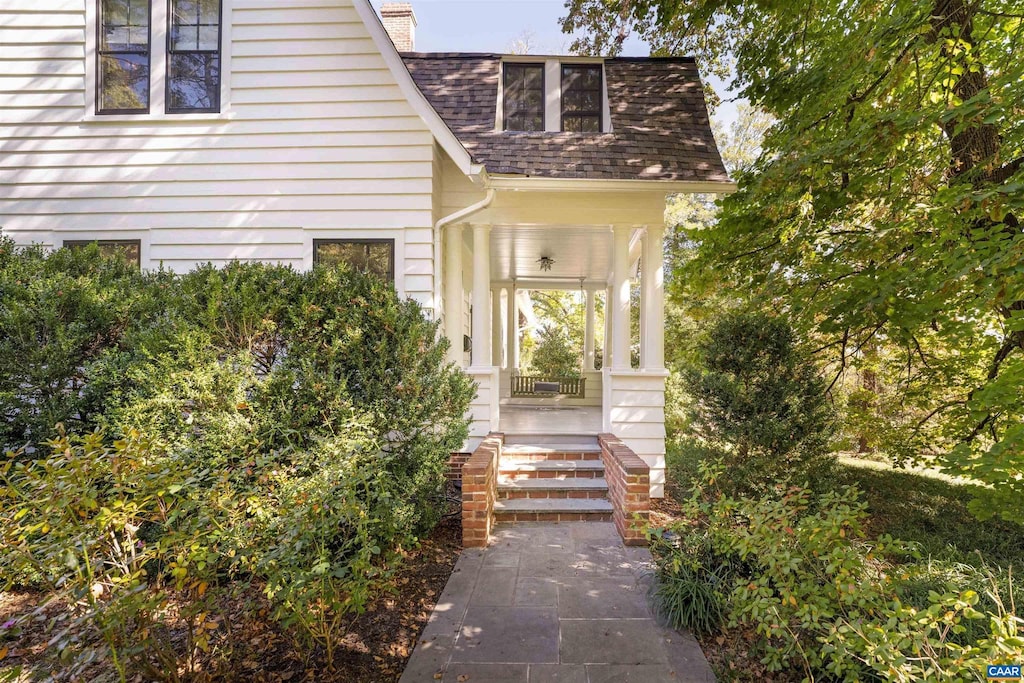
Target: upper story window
193,56
581,98
123,57
187,81
524,97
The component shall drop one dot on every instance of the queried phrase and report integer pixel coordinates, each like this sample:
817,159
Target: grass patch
930,509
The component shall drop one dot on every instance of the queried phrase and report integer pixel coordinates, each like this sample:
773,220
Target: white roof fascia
442,133
523,183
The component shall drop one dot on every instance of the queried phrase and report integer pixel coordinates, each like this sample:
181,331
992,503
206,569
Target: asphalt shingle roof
660,128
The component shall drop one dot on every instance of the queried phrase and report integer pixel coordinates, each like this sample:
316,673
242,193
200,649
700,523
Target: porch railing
527,385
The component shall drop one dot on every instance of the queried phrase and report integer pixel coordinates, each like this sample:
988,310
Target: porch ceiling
578,251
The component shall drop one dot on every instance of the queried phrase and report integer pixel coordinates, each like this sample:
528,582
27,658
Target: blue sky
493,25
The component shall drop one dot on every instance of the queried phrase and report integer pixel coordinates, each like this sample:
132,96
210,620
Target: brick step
550,469
552,510
559,452
534,489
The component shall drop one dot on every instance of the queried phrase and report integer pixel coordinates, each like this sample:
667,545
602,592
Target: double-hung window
190,33
123,58
581,98
193,56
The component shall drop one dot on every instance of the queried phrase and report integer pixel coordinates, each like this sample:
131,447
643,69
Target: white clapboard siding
316,140
635,410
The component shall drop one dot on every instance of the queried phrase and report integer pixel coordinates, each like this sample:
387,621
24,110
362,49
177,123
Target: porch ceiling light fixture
545,263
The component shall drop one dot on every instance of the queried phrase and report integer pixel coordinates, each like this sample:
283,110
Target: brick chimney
400,23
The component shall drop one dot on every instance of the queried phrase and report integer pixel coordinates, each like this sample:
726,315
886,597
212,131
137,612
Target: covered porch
508,249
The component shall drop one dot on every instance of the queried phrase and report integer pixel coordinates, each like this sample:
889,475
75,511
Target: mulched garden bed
375,649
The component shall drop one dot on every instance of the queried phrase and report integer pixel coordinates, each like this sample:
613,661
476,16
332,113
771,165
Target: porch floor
576,420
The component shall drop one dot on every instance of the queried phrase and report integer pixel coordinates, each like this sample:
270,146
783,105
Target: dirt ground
374,650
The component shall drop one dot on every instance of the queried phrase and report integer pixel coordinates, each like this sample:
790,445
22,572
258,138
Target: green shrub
761,403
58,312
130,540
829,603
296,429
352,339
691,581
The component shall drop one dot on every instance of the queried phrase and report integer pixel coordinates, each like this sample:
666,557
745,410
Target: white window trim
157,70
58,237
552,91
396,234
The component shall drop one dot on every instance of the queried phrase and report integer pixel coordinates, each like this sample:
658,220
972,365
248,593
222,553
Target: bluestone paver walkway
552,602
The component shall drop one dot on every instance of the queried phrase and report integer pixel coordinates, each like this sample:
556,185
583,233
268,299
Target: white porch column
512,330
588,333
481,296
606,359
496,328
652,280
620,297
453,313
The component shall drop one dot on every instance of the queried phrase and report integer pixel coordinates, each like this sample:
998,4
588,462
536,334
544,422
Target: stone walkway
552,602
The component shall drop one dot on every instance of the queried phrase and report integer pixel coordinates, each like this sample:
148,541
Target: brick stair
551,479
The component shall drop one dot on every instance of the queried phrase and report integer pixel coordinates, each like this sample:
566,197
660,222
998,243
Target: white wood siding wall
634,409
316,141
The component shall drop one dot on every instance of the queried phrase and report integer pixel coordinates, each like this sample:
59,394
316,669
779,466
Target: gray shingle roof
660,128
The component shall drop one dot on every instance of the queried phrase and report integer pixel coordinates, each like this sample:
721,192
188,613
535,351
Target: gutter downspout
438,256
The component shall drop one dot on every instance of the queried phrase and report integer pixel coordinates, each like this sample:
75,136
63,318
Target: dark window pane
370,256
124,25
193,81
122,84
582,94
524,97
127,250
193,64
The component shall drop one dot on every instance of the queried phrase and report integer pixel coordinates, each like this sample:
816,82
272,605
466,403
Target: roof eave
541,184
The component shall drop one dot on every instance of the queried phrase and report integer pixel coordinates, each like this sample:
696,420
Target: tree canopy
885,206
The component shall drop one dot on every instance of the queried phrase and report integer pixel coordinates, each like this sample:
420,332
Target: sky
493,25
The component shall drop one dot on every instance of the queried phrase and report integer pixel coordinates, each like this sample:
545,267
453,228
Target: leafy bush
282,428
828,602
130,540
692,582
58,312
760,402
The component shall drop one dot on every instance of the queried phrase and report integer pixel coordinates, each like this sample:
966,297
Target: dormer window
581,98
524,97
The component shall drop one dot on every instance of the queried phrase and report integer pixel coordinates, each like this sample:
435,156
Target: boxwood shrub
289,429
